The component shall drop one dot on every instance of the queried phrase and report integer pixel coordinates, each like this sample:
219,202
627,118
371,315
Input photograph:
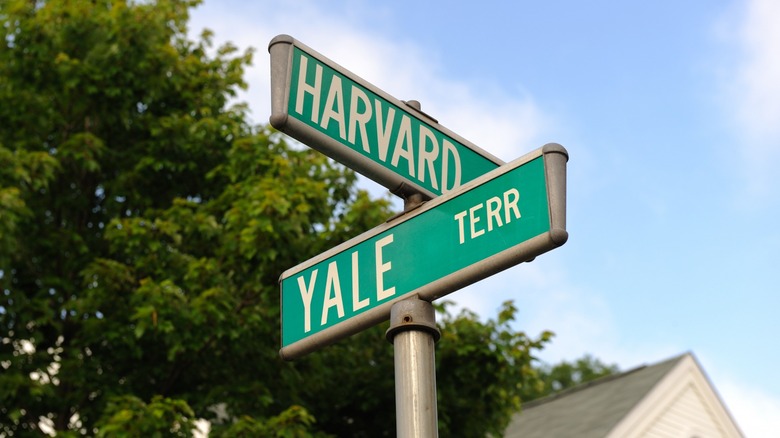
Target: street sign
329,108
507,216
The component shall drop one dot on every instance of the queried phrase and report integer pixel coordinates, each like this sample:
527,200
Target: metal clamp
412,314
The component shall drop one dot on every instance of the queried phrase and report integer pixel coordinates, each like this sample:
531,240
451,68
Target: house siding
686,417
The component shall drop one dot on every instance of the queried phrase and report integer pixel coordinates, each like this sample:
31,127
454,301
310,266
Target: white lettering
306,294
381,268
304,88
357,303
359,119
447,150
459,217
383,132
474,219
511,204
427,156
335,98
333,285
493,207
404,137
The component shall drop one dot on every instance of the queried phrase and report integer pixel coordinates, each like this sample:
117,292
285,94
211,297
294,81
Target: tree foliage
566,374
483,370
144,223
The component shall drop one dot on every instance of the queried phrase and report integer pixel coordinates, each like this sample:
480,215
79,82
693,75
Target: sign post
413,333
507,216
482,216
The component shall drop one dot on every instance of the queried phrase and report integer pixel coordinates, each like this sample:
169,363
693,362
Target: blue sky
670,112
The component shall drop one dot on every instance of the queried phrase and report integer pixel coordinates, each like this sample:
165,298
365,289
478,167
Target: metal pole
413,333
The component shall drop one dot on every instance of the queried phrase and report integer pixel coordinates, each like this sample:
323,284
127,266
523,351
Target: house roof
605,406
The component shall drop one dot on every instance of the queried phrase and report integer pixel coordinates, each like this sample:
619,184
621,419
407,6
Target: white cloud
754,410
759,76
581,320
505,124
753,91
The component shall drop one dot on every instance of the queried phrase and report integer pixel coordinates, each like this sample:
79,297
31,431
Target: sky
670,112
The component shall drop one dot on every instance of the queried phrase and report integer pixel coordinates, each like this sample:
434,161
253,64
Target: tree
144,223
555,378
483,370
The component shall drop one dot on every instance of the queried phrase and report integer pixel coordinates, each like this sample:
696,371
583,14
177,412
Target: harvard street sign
330,109
507,216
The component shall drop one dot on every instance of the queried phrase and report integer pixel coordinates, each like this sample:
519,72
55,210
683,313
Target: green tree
144,223
563,375
483,370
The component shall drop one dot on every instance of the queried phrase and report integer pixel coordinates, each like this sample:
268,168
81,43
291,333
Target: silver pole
413,333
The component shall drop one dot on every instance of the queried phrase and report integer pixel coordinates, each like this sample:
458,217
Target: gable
683,404
686,417
671,399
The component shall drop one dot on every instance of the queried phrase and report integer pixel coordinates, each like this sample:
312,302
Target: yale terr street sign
330,109
507,216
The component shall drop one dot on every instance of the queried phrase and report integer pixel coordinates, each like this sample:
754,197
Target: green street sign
507,216
330,109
